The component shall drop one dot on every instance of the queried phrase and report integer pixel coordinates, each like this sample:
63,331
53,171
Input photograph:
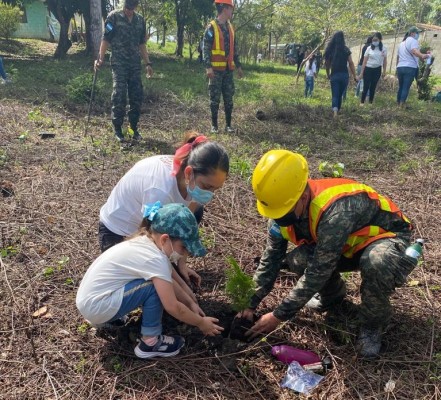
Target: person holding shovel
337,225
125,32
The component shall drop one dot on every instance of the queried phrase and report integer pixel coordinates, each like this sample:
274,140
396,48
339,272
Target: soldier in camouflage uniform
125,32
338,225
220,58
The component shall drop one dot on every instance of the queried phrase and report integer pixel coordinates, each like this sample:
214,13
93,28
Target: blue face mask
376,43
199,195
417,36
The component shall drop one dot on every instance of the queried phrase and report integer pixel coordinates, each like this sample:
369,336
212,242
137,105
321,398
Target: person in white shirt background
310,74
407,63
373,67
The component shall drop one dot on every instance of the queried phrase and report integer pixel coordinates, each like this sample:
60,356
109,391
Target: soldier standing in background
221,59
125,32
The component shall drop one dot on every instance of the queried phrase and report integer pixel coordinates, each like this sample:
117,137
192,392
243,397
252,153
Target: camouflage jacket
208,44
125,37
346,215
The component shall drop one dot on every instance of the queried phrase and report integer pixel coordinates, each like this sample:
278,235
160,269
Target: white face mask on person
375,43
417,36
174,256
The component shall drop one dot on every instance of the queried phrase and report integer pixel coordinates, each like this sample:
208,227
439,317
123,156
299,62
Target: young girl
310,74
375,58
138,272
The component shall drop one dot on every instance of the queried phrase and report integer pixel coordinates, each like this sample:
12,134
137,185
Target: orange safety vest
325,192
219,61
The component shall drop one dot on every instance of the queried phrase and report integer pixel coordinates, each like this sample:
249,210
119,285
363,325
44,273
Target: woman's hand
188,274
197,310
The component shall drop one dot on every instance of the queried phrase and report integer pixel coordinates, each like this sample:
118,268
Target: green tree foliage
10,18
239,286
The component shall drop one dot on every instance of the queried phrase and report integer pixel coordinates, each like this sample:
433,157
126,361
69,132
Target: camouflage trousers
126,79
221,84
383,266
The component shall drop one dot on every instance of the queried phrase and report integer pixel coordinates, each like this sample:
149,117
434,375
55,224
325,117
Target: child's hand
208,326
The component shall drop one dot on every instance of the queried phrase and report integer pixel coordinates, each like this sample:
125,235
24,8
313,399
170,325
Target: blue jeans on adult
309,86
406,75
141,293
339,83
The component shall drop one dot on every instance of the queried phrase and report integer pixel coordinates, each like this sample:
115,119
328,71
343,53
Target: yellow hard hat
279,179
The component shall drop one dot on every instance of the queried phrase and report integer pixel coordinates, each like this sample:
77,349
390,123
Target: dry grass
49,230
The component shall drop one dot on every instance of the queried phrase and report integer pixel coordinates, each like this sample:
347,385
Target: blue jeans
309,86
339,83
406,75
2,70
141,293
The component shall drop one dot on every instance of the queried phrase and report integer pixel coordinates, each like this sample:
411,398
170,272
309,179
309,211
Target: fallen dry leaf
40,312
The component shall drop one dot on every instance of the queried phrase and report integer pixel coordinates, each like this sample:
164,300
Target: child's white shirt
101,291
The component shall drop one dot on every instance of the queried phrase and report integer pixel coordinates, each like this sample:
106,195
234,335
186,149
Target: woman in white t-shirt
138,272
407,63
190,177
310,75
374,63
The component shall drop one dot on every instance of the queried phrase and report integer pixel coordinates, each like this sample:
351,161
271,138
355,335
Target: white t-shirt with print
376,57
405,56
101,291
148,181
310,71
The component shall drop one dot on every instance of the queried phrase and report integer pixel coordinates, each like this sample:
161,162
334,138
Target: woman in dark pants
337,58
375,58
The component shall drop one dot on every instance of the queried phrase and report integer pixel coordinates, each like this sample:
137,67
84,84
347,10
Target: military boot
324,302
136,135
369,342
118,133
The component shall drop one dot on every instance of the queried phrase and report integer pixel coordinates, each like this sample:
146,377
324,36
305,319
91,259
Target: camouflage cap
177,221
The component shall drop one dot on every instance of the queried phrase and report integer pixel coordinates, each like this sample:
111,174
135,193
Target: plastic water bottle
287,354
415,250
429,59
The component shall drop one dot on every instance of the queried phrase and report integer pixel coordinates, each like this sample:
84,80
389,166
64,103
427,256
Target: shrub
79,89
239,286
10,18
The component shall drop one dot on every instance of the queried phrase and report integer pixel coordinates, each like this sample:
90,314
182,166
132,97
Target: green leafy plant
8,251
10,18
331,170
239,286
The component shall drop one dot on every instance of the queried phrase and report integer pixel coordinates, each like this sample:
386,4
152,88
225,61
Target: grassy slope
61,184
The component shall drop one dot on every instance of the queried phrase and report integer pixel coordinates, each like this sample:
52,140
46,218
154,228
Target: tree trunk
96,27
180,40
64,44
63,17
164,34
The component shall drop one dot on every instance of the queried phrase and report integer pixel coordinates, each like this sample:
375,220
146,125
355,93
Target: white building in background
430,34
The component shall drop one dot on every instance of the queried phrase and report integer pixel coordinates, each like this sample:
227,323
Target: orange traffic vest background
325,192
219,61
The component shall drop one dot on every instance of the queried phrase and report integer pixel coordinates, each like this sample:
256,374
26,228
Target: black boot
136,135
369,342
214,126
118,133
228,115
